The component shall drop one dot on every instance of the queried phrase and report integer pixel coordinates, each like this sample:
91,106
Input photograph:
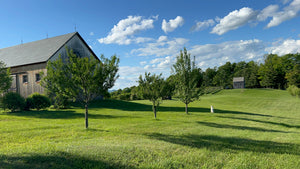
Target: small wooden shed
238,82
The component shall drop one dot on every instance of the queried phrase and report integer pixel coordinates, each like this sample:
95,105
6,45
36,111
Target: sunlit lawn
249,129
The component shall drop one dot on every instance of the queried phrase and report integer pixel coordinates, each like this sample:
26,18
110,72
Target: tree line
277,72
188,82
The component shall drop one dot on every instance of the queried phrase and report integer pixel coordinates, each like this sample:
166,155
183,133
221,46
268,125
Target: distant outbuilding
238,82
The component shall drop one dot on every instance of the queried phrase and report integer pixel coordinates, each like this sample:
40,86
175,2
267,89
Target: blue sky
148,34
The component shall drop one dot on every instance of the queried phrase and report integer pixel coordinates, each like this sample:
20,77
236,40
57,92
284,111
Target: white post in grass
211,109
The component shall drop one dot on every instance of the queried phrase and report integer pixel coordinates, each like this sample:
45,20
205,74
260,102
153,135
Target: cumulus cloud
203,25
172,24
123,33
234,20
284,47
269,11
211,55
289,12
143,63
162,47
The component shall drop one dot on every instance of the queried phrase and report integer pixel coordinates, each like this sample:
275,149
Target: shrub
13,101
294,90
61,102
29,103
39,101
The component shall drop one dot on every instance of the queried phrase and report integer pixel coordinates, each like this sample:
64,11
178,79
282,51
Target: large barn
28,60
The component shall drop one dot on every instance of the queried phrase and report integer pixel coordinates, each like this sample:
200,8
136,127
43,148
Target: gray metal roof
238,79
33,52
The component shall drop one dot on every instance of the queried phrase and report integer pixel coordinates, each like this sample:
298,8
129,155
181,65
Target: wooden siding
31,86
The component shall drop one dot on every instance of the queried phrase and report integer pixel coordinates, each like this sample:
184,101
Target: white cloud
166,62
234,20
142,39
285,1
284,47
162,38
161,47
123,33
172,24
128,76
203,25
143,63
289,12
92,33
211,55
269,11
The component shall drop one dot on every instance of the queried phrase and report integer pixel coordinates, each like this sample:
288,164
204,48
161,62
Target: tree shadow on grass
227,126
263,121
57,160
133,106
61,114
219,143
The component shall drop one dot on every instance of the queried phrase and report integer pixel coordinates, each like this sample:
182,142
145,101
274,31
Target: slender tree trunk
86,116
154,111
186,108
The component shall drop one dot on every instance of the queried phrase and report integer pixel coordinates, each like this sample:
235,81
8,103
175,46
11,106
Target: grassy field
249,129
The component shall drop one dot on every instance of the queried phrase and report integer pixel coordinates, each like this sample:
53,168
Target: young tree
186,75
82,79
5,79
151,88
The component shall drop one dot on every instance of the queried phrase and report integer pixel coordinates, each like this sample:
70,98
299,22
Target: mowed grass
251,128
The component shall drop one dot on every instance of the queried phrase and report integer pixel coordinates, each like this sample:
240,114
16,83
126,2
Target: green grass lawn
249,129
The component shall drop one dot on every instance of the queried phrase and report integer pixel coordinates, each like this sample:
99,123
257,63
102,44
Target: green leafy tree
186,75
272,73
151,88
293,74
208,76
251,78
169,87
81,78
5,79
224,75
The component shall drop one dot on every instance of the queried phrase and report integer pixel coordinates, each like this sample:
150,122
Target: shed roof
238,79
33,52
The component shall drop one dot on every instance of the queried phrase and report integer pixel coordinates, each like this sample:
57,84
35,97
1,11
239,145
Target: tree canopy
5,79
81,78
187,78
151,88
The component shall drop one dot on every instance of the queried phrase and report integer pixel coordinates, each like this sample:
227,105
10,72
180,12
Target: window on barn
25,79
37,77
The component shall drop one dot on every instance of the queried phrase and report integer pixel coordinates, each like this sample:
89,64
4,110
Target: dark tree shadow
61,114
60,160
227,126
218,143
263,121
132,106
